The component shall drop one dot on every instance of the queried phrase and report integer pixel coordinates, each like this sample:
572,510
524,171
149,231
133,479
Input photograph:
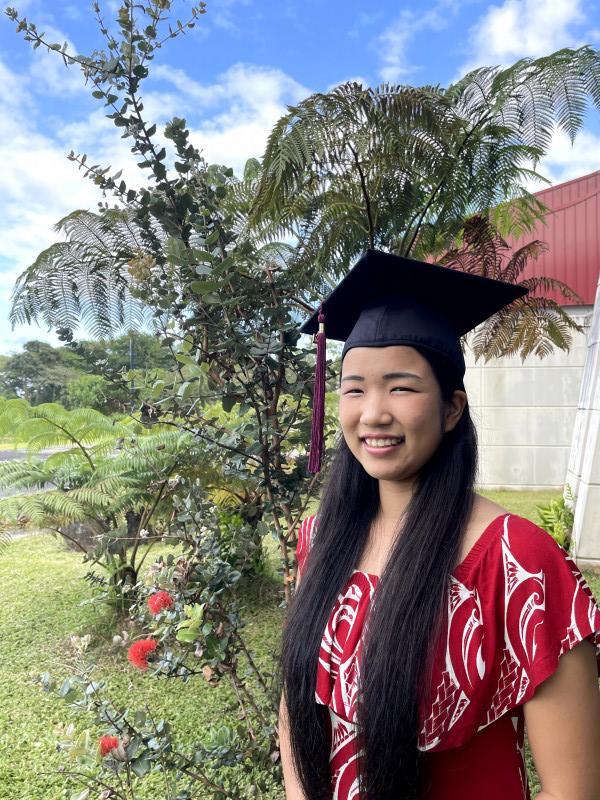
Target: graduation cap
390,300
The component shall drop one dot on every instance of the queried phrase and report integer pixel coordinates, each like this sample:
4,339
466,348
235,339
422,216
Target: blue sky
231,77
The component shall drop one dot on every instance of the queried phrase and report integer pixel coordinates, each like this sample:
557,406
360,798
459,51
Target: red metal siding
572,232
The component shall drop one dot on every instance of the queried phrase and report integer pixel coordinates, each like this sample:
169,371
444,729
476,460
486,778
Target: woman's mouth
381,446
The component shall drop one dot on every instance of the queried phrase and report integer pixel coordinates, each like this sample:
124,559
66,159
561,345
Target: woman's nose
374,411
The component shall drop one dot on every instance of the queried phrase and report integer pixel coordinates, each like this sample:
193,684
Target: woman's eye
402,389
351,391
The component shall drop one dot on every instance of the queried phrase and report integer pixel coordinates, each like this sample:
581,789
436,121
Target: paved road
17,455
13,455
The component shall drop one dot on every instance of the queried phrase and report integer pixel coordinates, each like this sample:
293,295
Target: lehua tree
396,167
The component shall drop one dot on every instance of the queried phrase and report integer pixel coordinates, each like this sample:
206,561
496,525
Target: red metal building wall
572,232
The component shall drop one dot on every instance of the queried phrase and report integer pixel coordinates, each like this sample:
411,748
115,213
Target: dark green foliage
400,167
88,391
557,518
40,373
533,324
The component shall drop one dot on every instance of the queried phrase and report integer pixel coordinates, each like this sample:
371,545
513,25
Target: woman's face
391,411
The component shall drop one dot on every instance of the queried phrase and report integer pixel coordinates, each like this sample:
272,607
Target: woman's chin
383,472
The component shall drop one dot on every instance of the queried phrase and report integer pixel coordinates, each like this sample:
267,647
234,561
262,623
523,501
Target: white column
583,473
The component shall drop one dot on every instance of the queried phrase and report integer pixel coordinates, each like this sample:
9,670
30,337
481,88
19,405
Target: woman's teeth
382,442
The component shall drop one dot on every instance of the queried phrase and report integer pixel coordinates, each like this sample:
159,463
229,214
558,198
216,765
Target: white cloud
519,28
564,161
392,44
363,21
229,120
48,72
206,95
39,185
246,101
35,175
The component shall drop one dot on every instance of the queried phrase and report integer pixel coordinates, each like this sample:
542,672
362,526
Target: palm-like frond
400,168
42,509
25,474
123,479
84,279
51,425
531,324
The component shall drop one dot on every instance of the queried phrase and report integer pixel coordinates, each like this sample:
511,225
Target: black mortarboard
388,300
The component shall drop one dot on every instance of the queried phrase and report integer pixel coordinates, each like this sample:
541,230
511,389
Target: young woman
430,626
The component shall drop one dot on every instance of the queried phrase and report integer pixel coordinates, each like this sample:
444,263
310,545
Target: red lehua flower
107,743
158,601
139,651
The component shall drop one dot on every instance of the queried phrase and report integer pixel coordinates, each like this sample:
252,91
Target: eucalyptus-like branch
75,542
114,793
200,435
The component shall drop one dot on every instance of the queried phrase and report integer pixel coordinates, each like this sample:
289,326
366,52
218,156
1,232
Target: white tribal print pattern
516,573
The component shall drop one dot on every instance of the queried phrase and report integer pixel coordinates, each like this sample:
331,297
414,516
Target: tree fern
530,325
85,279
400,167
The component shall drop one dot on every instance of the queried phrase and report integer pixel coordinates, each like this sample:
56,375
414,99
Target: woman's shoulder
521,602
523,567
510,530
483,514
500,545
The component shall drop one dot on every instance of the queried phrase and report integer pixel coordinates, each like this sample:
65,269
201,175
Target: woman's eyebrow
389,376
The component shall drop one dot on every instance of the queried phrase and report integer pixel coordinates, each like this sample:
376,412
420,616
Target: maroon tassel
318,410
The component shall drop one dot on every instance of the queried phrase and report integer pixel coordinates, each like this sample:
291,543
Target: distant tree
93,374
133,350
5,390
40,373
124,364
88,391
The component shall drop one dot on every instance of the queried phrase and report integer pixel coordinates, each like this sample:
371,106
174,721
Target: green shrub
557,518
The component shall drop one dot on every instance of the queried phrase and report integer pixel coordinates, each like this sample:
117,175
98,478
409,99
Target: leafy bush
557,518
187,615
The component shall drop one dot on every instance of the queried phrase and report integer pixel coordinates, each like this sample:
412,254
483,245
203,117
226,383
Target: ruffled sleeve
514,609
305,532
549,607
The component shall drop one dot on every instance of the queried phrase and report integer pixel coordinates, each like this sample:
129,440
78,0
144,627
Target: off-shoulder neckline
476,551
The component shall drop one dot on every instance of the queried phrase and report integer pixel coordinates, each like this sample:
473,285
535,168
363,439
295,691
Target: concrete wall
525,413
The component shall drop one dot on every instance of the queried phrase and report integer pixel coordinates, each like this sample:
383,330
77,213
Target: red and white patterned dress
515,604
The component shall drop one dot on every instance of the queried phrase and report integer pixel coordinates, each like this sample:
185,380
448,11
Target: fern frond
85,279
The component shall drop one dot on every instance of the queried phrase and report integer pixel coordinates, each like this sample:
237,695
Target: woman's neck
394,498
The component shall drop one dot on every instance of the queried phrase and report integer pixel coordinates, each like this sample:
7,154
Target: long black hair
404,617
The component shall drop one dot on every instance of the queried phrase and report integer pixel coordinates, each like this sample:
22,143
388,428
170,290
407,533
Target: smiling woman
428,617
388,416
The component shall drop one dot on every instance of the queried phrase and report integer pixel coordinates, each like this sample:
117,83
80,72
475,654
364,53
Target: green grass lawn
40,588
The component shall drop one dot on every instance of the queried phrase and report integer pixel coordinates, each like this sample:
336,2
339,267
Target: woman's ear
454,409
